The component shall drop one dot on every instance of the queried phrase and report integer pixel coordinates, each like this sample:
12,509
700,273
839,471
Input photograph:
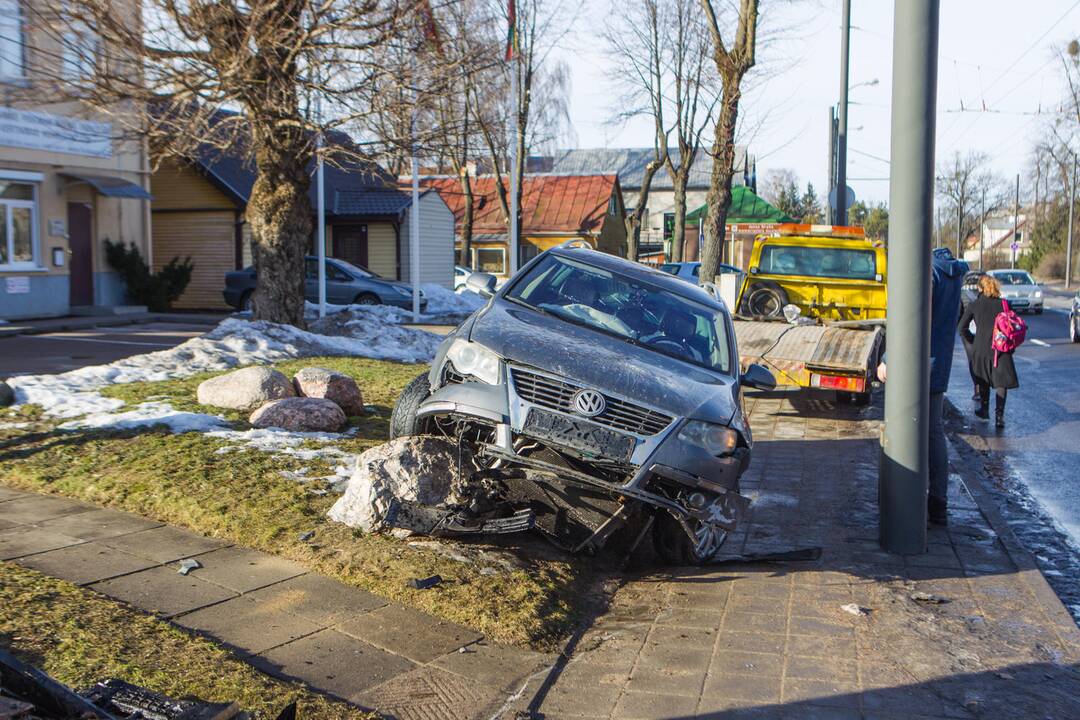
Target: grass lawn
243,497
80,637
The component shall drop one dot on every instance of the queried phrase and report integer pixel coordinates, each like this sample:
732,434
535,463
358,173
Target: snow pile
233,342
446,302
149,414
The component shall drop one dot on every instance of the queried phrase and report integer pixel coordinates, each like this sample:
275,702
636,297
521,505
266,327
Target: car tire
764,298
403,420
674,546
366,298
1038,311
245,302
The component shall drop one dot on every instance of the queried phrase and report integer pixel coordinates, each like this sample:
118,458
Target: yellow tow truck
811,308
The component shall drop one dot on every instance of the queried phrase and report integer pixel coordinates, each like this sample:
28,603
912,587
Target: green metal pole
903,474
840,215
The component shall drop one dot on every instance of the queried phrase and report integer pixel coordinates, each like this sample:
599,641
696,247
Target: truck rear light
846,383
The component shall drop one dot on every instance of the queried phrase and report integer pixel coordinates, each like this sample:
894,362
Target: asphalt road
62,351
1038,452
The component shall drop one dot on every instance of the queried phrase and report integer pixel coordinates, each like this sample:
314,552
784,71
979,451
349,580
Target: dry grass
80,637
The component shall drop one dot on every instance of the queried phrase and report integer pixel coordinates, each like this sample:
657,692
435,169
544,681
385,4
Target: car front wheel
403,420
366,299
674,545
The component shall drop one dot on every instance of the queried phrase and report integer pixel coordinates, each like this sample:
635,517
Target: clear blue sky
994,53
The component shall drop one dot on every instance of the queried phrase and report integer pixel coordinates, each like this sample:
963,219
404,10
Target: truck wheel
674,546
403,421
764,298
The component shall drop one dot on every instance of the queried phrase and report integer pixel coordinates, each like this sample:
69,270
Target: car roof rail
714,290
581,243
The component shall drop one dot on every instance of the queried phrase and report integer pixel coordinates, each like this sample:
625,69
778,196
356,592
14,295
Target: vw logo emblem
588,403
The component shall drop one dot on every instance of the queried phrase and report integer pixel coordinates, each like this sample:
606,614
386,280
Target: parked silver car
1019,289
602,394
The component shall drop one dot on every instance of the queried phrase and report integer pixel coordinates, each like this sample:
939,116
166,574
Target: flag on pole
511,31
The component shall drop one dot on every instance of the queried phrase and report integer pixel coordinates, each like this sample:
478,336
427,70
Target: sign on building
54,133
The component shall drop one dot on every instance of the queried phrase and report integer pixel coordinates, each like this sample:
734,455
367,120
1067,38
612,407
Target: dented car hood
593,359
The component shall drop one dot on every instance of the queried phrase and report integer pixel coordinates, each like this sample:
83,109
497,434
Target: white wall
436,242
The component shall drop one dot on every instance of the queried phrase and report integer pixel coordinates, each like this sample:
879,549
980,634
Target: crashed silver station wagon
598,395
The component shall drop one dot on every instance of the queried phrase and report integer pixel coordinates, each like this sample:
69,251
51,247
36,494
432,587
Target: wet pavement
1034,463
58,352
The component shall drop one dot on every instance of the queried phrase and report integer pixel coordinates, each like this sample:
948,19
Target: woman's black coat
984,310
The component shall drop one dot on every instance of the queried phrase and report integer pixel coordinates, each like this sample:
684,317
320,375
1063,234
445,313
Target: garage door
207,237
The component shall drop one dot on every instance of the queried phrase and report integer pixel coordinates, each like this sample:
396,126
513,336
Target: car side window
311,269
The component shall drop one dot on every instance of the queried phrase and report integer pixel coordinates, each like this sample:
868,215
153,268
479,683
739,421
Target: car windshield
626,308
818,262
1014,277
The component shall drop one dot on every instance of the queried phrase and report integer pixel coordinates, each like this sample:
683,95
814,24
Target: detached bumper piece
440,522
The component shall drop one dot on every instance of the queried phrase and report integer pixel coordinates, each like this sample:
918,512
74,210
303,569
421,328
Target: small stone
7,395
245,389
188,565
299,414
339,388
853,609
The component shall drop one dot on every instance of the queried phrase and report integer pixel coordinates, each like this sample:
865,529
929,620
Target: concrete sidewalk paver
428,693
85,563
163,592
318,598
10,494
417,636
243,570
248,626
36,508
99,524
165,544
20,540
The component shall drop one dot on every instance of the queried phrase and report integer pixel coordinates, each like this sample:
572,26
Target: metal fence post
903,474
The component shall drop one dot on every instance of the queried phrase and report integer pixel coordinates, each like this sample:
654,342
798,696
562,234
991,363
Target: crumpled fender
480,400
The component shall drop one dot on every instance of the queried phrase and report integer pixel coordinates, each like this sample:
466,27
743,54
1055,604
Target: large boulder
420,469
245,389
317,382
299,414
7,395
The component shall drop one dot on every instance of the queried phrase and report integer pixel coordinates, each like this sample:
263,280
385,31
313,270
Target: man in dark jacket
947,274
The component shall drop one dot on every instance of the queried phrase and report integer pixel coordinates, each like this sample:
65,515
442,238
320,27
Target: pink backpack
1009,331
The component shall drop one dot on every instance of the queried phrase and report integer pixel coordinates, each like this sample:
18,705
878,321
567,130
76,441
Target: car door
340,286
311,280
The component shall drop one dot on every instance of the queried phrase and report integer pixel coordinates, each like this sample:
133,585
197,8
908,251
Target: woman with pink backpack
998,332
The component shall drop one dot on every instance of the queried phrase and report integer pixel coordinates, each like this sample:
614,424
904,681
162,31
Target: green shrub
157,291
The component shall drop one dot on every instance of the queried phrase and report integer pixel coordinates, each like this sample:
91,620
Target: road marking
68,338
1040,343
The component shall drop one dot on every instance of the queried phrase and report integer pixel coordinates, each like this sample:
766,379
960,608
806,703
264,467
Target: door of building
81,245
351,244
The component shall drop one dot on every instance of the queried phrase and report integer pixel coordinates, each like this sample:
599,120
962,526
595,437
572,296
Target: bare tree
963,181
244,78
634,41
732,64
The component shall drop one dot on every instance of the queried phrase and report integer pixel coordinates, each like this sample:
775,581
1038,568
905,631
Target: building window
80,50
18,227
12,53
490,260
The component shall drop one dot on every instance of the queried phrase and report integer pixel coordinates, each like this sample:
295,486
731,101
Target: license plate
579,435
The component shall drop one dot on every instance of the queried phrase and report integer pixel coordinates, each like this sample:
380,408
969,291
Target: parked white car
461,274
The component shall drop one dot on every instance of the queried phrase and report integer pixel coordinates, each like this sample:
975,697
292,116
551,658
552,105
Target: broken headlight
717,439
469,358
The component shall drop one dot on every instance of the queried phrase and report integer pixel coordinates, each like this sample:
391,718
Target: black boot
976,396
983,411
937,510
999,418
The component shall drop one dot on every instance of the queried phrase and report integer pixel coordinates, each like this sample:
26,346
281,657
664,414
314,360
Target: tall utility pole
903,475
1069,240
841,132
1016,222
982,224
832,148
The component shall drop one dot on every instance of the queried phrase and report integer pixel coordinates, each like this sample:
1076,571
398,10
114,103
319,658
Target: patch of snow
442,301
772,498
13,425
148,414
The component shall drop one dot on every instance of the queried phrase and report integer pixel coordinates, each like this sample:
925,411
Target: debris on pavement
928,598
305,536
188,565
425,583
856,610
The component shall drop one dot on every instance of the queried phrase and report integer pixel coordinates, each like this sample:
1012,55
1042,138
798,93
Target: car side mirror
758,377
481,283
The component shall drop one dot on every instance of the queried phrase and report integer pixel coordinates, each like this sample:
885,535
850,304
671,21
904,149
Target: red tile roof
549,203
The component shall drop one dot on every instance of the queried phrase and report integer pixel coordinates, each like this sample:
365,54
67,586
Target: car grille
555,394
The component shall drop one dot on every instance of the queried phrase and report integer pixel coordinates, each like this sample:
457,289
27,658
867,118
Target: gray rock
245,389
299,415
7,395
317,382
417,468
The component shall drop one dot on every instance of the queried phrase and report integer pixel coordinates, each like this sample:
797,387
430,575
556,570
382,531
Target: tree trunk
279,211
466,220
678,234
718,201
633,220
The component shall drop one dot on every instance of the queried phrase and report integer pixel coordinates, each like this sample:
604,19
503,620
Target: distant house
629,164
996,235
554,209
199,209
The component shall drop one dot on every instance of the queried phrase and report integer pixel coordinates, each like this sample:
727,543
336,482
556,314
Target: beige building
66,184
